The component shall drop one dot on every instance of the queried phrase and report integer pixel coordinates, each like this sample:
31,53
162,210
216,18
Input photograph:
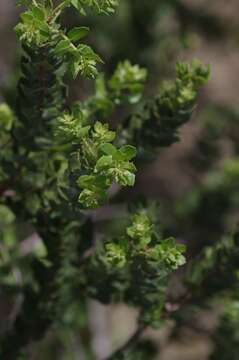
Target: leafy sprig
39,26
136,267
57,162
158,120
101,163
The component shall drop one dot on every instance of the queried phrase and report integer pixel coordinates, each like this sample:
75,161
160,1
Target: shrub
60,162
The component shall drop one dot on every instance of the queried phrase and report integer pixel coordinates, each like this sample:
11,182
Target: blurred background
187,178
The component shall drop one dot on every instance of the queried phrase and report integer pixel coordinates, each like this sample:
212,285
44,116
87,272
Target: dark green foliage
41,94
226,337
58,160
217,270
137,265
157,122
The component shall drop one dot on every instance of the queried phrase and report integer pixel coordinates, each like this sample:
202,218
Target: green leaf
101,6
26,17
104,162
75,3
86,181
38,13
78,33
62,47
6,117
108,149
128,152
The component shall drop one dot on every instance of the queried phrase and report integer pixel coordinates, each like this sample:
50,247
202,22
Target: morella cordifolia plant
59,162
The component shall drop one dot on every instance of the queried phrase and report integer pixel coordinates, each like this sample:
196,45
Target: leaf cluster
157,122
100,162
59,160
39,26
135,268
